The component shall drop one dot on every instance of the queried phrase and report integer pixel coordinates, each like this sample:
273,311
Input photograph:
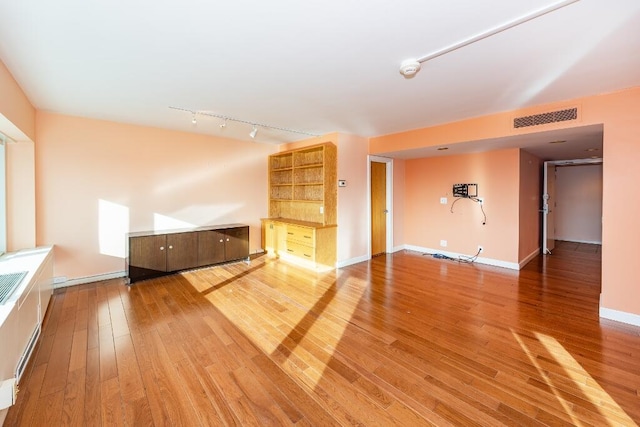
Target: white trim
351,261
479,260
620,316
398,248
590,242
528,258
90,279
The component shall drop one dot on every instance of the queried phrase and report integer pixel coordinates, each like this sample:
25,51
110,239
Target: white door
548,208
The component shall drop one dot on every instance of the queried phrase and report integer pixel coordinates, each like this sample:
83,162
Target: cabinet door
280,240
210,247
182,251
236,243
148,252
268,236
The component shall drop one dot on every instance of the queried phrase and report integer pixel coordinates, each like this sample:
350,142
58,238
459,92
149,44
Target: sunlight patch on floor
301,330
573,379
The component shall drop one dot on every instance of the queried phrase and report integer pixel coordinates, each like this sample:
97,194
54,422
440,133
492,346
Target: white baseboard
591,242
90,279
351,261
620,316
528,258
480,260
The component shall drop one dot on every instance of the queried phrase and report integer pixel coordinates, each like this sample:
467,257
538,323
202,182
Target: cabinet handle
289,250
289,233
308,256
170,247
162,248
307,237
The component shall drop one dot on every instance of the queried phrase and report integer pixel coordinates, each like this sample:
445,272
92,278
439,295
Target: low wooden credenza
157,253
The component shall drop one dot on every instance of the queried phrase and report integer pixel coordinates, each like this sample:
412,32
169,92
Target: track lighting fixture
193,119
254,125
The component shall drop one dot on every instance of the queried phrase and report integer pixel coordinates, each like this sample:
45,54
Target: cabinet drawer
300,234
300,250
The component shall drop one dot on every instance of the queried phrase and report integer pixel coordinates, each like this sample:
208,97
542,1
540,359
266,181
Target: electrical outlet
443,243
481,200
321,209
443,200
480,248
60,279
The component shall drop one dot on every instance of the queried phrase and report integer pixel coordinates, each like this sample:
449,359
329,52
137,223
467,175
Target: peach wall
530,204
427,221
618,112
16,108
17,120
21,200
96,180
399,200
579,203
353,232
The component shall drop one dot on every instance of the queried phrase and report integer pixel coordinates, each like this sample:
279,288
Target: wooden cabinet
307,244
153,254
303,205
217,246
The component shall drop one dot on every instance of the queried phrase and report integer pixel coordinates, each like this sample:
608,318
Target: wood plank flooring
403,339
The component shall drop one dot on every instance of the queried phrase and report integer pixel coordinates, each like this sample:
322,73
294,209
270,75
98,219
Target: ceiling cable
410,67
253,125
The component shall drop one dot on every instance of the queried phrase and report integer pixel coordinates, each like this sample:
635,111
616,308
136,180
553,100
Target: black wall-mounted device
465,190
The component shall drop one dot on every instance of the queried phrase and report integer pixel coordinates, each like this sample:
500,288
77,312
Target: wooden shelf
303,199
303,184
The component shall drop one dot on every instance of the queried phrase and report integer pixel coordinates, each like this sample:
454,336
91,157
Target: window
3,195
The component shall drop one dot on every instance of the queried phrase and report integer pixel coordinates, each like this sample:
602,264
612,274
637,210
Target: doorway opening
571,203
380,205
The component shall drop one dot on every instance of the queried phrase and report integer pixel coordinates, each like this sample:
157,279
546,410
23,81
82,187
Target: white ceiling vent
546,118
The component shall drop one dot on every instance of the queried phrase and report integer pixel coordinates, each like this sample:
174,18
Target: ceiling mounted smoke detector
409,68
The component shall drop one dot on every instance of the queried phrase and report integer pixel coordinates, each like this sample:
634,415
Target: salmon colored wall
530,204
17,120
15,107
427,221
96,180
618,112
353,232
21,199
399,200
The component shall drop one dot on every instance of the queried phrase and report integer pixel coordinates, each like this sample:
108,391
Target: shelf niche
303,184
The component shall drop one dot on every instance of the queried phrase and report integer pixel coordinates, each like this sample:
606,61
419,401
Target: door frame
543,230
388,201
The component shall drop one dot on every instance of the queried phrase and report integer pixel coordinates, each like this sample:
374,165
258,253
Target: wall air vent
546,118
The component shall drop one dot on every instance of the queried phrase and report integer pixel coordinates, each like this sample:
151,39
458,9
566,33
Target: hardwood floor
404,339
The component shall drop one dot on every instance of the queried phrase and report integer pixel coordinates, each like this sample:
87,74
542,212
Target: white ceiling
315,66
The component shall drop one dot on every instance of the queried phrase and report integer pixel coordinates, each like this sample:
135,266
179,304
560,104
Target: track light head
193,119
223,124
254,132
